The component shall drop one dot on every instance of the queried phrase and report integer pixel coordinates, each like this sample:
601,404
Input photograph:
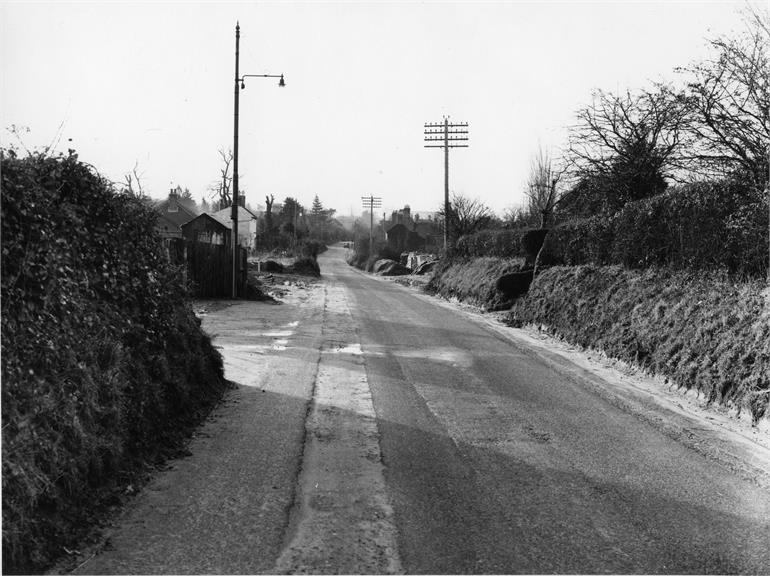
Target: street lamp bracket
281,82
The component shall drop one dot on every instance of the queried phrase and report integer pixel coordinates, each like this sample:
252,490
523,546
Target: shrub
474,280
360,258
312,248
517,243
703,331
103,360
704,226
305,267
271,266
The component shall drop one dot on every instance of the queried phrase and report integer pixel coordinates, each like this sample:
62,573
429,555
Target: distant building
247,225
171,215
207,230
406,233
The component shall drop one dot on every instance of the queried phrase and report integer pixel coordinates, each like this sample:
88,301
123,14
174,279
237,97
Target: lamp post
240,85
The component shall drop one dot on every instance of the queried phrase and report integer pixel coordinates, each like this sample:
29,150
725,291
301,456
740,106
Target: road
378,430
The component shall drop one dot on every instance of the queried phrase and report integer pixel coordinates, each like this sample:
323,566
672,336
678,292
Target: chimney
242,201
173,201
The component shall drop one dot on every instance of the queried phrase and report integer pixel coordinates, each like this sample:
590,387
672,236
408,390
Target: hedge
507,243
703,226
474,280
103,360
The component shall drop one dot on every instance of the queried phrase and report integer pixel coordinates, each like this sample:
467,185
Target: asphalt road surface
378,430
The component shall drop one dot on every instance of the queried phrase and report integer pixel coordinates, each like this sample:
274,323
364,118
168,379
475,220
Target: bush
103,360
361,259
312,248
305,267
271,266
701,330
474,280
517,243
704,226
389,268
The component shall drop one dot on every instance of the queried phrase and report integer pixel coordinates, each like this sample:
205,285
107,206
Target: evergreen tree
317,211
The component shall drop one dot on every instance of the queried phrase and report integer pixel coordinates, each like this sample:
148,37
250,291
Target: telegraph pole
446,136
370,203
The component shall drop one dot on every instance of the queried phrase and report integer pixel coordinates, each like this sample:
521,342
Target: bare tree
520,217
542,192
730,96
631,143
221,189
467,215
133,185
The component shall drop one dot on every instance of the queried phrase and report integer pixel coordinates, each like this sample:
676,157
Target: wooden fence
209,267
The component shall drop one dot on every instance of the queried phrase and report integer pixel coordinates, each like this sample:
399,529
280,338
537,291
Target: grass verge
702,331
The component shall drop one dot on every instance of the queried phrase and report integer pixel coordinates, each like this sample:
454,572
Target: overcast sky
153,83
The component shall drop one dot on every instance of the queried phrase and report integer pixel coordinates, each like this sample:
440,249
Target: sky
150,84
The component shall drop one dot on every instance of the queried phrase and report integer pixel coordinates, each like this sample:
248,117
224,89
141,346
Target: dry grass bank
473,280
703,331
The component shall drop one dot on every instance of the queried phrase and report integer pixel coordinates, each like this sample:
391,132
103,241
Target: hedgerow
702,330
501,243
703,226
474,280
103,360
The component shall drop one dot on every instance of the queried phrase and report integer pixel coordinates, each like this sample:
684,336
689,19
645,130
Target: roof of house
395,226
210,218
225,215
179,217
166,224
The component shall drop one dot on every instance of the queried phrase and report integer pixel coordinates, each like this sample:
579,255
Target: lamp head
242,85
281,83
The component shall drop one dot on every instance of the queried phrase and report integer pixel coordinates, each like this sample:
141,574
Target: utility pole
449,136
370,203
234,211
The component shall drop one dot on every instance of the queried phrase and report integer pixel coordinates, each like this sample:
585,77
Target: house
402,239
171,215
247,224
207,230
406,232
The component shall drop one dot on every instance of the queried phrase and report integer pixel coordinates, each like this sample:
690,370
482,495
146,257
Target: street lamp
239,85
